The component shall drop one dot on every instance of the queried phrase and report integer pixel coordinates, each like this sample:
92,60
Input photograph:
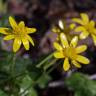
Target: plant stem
51,69
50,64
44,60
12,67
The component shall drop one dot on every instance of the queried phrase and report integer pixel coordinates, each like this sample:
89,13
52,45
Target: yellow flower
62,28
19,33
70,52
86,27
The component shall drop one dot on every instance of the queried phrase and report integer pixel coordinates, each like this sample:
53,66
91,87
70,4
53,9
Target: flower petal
72,26
74,41
12,22
21,24
30,40
58,54
94,31
85,18
92,24
94,39
82,59
79,29
76,64
57,46
16,44
56,30
25,43
64,40
4,30
77,20
84,35
81,49
8,37
66,65
31,30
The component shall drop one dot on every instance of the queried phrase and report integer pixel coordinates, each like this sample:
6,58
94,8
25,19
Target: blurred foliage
4,20
3,7
25,77
2,93
81,85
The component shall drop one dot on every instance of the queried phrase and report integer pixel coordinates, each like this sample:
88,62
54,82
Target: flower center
70,52
19,33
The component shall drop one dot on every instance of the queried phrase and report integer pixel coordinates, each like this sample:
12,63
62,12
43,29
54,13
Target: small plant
19,75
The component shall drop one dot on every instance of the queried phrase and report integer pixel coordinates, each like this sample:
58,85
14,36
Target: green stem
50,64
12,68
44,60
51,69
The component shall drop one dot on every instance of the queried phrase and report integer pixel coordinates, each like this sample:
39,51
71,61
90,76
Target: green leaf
34,72
27,86
81,85
5,60
21,65
26,82
43,80
32,92
2,93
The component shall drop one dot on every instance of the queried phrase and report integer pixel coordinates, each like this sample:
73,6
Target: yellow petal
55,30
12,22
76,64
85,18
4,30
77,20
81,49
94,31
8,37
82,59
31,30
72,26
79,29
21,24
92,24
30,40
58,54
57,46
25,43
16,44
66,65
74,41
94,39
64,40
84,35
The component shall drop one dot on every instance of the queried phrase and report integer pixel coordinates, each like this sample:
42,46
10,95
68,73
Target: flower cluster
66,46
69,52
